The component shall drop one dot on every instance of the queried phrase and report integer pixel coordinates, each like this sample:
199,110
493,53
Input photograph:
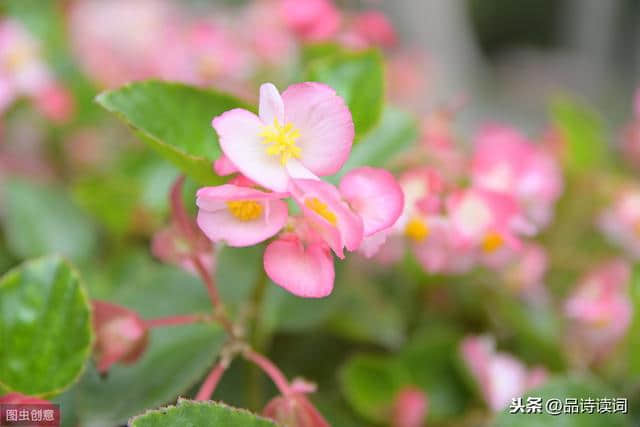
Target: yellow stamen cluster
245,210
417,230
281,141
492,241
321,209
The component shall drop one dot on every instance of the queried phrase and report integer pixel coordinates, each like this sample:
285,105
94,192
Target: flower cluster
24,73
298,136
228,50
453,226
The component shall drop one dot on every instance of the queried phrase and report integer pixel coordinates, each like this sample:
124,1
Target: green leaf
583,132
176,359
357,77
370,383
431,360
40,220
45,325
396,131
561,388
175,119
201,414
634,330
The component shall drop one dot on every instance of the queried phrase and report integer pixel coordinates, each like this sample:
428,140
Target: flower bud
121,335
294,411
409,408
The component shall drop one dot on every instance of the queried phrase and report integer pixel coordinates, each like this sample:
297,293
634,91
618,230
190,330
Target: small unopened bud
121,335
294,411
409,408
171,246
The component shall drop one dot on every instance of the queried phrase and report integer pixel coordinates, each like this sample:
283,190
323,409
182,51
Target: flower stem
179,214
211,382
270,369
174,320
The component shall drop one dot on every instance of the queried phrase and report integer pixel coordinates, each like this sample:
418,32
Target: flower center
245,210
281,141
416,229
492,241
321,209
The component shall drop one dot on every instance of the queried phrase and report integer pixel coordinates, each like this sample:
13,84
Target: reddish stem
173,320
209,384
178,211
270,369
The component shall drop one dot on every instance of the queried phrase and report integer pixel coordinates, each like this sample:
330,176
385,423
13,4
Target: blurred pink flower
500,376
23,71
206,54
599,307
620,222
55,102
374,28
121,335
311,20
305,132
121,40
484,220
295,409
409,408
504,161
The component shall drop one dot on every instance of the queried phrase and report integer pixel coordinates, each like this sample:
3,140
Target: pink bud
55,102
294,410
121,335
171,246
21,399
410,408
374,27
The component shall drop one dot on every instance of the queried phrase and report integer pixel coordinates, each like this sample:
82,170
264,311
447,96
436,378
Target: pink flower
375,195
305,132
311,20
329,215
55,102
22,69
500,376
206,54
121,335
409,408
621,222
484,219
294,410
240,216
599,307
374,28
504,161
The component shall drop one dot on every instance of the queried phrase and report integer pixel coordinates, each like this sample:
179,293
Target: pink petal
223,166
304,271
325,125
375,195
271,107
239,132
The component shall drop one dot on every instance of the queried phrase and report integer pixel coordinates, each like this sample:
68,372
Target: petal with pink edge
375,195
325,125
271,107
223,166
239,134
304,271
